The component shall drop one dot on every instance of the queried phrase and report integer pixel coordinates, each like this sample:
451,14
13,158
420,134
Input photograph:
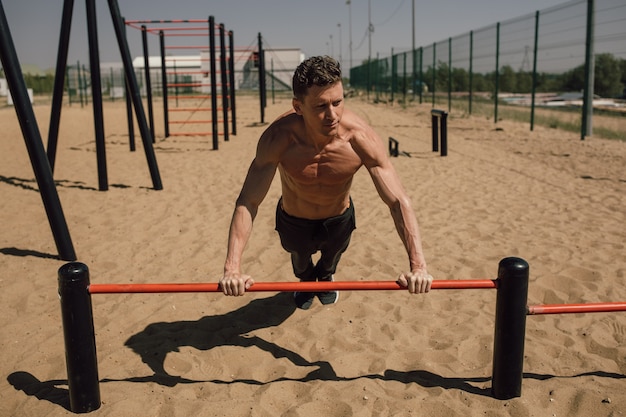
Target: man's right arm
255,188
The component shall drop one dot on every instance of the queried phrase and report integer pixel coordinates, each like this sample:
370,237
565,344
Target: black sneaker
328,297
303,300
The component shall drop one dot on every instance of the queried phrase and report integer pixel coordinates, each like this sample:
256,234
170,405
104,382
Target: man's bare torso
316,182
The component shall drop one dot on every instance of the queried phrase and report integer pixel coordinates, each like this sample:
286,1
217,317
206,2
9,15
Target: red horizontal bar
188,34
188,97
189,85
190,72
191,134
286,286
182,28
191,122
168,21
577,308
181,109
188,47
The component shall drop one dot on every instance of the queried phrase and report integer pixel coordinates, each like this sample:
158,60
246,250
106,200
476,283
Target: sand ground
545,196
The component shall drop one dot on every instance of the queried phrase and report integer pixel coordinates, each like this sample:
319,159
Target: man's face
322,108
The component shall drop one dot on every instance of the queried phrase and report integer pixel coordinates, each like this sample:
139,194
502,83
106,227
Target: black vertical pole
443,122
497,80
394,75
96,93
534,86
449,76
146,71
231,62
214,121
224,73
471,69
34,144
166,119
80,340
434,70
129,105
261,77
135,93
434,120
510,328
586,127
59,81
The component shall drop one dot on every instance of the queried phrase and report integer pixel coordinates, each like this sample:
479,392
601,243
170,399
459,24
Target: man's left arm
391,191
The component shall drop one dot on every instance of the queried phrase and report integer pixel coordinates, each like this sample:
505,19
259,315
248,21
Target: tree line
609,79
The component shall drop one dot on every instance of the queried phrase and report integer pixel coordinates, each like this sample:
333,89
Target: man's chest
330,166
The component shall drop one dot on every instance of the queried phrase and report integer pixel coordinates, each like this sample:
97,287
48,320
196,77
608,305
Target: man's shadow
230,329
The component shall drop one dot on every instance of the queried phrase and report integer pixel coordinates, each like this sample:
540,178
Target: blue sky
316,27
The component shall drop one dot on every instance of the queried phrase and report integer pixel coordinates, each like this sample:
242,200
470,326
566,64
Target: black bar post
224,74
96,94
166,119
129,105
497,75
79,335
261,65
586,126
214,121
34,143
393,147
231,63
59,81
534,86
510,328
135,94
146,71
435,130
443,123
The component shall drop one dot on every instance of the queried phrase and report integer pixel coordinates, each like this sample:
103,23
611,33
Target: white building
193,71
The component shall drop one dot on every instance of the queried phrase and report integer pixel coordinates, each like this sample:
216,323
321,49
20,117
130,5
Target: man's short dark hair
315,71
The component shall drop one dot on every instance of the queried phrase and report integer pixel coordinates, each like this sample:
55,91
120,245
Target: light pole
349,3
340,46
370,29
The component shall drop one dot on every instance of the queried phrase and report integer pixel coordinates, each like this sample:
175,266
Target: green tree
460,79
507,81
607,80
524,82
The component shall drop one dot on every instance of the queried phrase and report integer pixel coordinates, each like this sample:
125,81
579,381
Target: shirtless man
317,148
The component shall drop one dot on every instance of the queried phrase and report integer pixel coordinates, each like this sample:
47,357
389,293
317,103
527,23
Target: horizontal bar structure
184,122
287,286
577,308
185,109
130,22
191,134
200,28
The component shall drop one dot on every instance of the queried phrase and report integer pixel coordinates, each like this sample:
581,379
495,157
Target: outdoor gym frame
206,31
